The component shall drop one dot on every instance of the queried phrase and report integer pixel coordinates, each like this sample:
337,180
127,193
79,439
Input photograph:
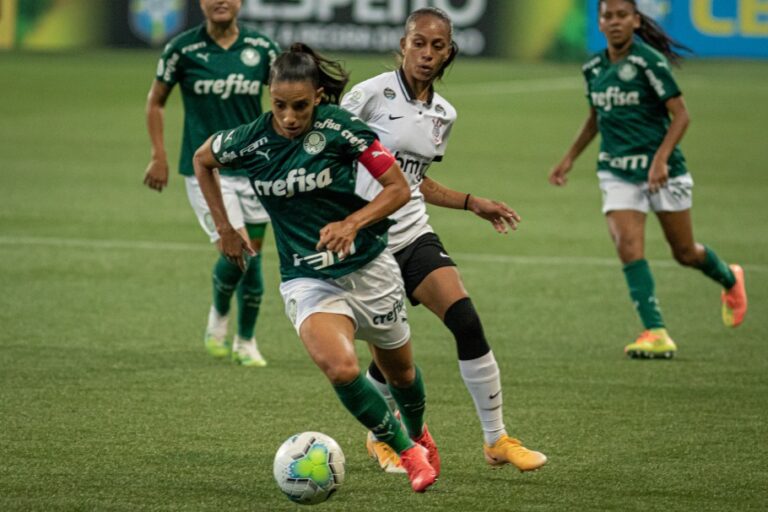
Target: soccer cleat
382,453
215,338
246,353
416,464
652,344
508,450
735,299
427,442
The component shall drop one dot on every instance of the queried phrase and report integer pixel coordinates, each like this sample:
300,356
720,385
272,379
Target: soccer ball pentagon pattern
309,467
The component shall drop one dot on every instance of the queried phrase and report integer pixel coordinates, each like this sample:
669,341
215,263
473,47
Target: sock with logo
226,276
642,292
368,406
380,382
715,268
411,402
481,376
249,293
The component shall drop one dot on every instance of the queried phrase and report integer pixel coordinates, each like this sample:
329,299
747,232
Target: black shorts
419,259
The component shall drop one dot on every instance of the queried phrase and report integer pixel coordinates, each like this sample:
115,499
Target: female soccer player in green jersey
339,281
632,94
220,67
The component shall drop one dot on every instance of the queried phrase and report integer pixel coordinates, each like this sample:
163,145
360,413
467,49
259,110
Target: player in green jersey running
220,67
632,94
339,281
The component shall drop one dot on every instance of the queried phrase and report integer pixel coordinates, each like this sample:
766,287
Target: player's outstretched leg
735,299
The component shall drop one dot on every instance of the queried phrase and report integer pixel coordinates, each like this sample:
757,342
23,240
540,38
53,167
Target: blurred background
528,29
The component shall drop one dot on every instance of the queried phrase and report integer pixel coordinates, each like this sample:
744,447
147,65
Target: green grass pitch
109,402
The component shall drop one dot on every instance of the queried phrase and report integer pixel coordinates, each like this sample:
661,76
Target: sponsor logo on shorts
392,316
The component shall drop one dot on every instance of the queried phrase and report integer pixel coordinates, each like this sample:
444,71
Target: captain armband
377,159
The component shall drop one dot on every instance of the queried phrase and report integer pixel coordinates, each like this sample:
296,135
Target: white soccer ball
309,467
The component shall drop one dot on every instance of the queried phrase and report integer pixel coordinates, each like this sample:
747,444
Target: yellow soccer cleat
735,299
508,450
388,460
652,344
246,353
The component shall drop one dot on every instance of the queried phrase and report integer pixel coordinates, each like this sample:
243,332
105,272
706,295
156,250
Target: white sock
481,376
384,390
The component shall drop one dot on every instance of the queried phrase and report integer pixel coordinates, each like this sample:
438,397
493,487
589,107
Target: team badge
250,57
155,21
440,110
314,143
627,72
389,94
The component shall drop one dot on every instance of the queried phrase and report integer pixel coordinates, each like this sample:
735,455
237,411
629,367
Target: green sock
641,290
367,405
411,402
226,275
249,293
715,268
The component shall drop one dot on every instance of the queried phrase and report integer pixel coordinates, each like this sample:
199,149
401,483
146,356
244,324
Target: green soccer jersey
305,183
220,88
629,97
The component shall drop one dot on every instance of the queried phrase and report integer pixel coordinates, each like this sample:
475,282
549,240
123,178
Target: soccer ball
309,467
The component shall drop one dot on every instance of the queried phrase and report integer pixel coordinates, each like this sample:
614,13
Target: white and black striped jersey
417,134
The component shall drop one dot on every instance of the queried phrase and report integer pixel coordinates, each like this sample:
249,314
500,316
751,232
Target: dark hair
442,15
652,33
301,63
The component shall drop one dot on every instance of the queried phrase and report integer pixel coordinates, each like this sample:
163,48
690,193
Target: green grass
109,402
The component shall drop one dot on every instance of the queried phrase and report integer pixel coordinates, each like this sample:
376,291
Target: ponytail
301,63
652,33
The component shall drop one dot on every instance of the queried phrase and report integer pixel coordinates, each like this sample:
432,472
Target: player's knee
402,377
467,329
339,372
686,256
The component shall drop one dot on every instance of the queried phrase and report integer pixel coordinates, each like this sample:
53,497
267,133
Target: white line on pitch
473,257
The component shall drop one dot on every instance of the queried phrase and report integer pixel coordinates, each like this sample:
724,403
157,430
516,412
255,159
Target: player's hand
235,247
558,176
497,213
657,175
156,175
337,237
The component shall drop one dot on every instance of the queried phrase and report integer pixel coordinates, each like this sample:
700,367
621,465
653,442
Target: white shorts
241,203
373,297
619,194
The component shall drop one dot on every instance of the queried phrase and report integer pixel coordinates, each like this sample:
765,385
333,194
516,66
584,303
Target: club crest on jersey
355,97
627,72
389,94
250,57
314,143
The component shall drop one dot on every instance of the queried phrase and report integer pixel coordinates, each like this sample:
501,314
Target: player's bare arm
156,175
232,243
338,236
498,213
658,174
587,132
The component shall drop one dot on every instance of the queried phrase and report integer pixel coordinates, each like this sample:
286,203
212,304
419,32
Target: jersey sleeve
662,82
168,66
360,102
357,135
230,146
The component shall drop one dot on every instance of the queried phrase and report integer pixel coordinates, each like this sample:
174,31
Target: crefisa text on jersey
234,83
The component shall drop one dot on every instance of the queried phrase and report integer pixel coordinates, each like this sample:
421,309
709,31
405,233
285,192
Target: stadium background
108,402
